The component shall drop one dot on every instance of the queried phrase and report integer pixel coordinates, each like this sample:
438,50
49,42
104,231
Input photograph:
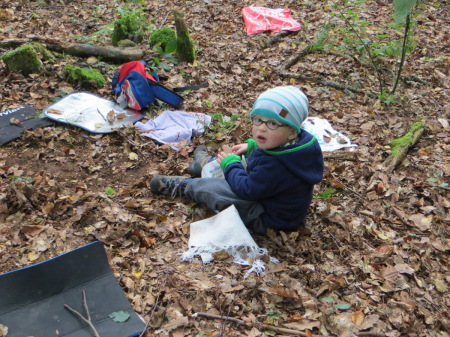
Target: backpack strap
191,87
164,94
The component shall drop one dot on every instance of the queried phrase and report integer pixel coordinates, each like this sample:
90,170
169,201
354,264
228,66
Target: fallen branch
321,81
350,156
86,319
402,145
81,50
282,71
276,37
274,328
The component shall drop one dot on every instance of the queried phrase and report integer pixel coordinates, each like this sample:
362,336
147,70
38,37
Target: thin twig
154,306
349,189
226,318
275,328
98,110
165,19
87,320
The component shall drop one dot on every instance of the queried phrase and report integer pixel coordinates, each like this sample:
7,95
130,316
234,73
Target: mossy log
401,146
82,50
107,53
185,47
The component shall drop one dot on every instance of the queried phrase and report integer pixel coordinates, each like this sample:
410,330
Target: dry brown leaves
373,257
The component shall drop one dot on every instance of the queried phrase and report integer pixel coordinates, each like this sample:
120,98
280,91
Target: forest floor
373,257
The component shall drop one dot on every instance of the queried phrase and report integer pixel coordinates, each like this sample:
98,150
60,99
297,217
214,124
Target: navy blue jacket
281,179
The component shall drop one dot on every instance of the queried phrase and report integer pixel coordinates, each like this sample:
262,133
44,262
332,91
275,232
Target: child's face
270,139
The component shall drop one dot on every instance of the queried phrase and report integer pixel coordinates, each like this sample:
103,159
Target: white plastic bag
212,170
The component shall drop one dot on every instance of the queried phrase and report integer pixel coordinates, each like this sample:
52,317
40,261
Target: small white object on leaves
120,316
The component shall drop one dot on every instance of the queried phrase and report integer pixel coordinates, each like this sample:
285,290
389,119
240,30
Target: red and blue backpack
136,88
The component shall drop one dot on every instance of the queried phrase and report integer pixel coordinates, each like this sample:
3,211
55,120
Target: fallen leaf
30,231
302,325
336,184
175,323
282,292
236,288
3,330
121,115
55,111
111,116
369,322
91,60
422,222
404,268
328,299
440,285
221,255
46,209
137,275
390,274
357,318
120,316
343,306
32,256
15,121
296,318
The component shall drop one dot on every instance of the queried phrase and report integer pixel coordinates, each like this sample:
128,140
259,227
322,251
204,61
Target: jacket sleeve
231,158
251,146
257,184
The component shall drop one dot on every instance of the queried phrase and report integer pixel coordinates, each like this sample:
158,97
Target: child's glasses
270,123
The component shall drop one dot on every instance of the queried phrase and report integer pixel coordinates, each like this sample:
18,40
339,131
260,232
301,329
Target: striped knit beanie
287,105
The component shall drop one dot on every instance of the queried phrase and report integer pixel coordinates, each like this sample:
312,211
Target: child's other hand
221,155
239,149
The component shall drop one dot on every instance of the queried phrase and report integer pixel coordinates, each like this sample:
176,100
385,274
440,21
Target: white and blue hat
287,105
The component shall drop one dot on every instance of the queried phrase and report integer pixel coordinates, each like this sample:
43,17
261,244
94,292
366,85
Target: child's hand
239,149
221,155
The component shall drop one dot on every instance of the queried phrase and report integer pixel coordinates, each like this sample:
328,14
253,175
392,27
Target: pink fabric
261,19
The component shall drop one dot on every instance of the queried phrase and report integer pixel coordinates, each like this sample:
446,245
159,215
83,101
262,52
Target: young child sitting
283,164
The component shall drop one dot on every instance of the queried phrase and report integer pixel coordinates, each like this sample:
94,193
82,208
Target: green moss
399,143
328,193
24,59
185,47
43,52
127,28
162,36
85,77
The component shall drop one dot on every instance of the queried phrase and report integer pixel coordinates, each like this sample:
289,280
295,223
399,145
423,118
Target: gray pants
218,195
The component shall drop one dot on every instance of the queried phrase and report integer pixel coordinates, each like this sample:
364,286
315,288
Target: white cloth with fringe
225,232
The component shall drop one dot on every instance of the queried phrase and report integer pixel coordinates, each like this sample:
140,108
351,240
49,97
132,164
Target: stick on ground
86,319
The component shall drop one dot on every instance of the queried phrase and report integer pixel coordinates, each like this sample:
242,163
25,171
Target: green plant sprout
355,36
